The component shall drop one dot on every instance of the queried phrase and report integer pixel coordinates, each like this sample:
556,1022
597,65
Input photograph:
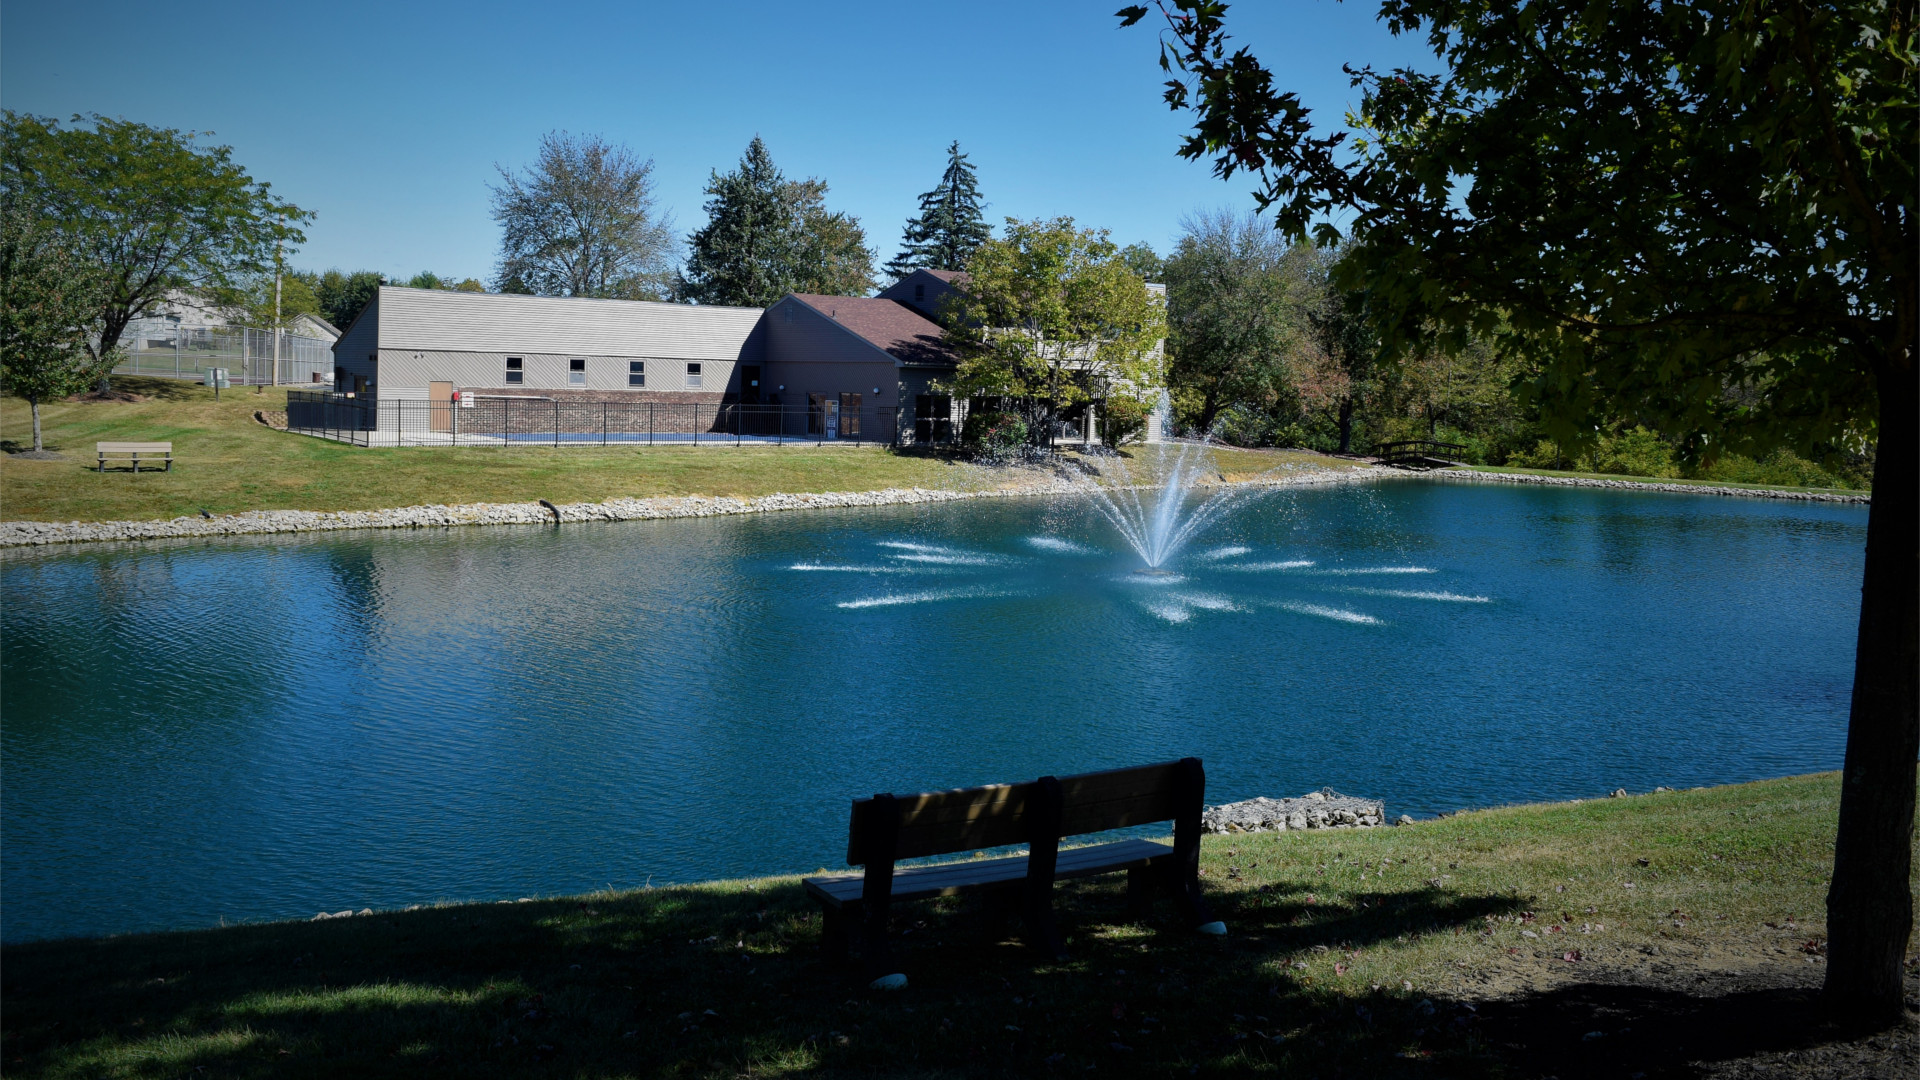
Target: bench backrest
133,448
968,819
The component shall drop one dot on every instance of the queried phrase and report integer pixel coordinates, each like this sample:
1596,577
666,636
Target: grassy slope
226,462
1661,480
724,980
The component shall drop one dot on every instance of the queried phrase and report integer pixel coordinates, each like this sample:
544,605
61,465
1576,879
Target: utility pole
278,247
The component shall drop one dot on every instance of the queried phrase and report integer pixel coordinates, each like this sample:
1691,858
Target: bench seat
947,879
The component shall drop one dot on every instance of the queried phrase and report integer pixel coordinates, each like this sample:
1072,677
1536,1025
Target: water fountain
1159,528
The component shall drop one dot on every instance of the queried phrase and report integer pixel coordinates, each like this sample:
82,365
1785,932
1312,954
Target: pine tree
950,226
738,256
767,236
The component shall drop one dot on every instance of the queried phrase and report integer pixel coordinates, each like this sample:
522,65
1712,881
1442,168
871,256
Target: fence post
649,423
603,423
696,423
556,423
736,425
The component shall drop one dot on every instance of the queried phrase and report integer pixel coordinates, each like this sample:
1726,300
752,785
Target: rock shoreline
1652,485
1323,809
15,534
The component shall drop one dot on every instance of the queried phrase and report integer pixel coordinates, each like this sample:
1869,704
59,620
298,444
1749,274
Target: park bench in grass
134,451
888,828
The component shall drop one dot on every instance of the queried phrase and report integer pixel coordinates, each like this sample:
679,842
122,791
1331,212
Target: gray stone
1323,809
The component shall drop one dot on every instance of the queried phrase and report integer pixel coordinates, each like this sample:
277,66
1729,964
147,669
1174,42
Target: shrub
1241,425
1781,467
1638,452
1544,455
1123,420
997,436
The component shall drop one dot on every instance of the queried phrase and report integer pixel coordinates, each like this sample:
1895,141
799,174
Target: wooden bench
123,451
888,828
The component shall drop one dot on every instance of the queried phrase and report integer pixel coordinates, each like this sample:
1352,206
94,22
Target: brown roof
949,276
911,337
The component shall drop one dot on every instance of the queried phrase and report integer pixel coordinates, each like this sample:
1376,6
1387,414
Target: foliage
1123,419
252,303
767,236
1781,467
828,252
147,206
49,302
1704,215
1634,452
994,434
950,226
1051,316
1144,262
1236,325
581,221
341,296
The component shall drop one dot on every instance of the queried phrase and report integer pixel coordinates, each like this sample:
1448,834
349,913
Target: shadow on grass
725,981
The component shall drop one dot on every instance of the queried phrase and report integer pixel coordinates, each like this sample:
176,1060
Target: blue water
254,729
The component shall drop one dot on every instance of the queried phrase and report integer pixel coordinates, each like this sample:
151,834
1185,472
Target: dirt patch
38,455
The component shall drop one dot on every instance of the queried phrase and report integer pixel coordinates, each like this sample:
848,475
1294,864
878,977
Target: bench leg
833,933
1185,872
1140,885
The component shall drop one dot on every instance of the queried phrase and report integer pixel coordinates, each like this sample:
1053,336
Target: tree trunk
1346,425
1869,904
33,402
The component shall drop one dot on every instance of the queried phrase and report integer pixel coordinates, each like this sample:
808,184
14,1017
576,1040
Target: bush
1544,455
1241,425
997,436
1123,420
1631,453
1782,467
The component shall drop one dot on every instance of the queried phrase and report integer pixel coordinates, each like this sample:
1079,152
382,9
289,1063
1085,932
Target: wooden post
877,848
1045,809
1190,793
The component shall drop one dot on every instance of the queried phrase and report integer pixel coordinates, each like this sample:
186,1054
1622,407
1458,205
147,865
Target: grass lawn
225,462
1660,480
1466,946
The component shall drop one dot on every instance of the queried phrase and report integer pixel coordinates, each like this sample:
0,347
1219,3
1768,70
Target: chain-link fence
160,347
534,421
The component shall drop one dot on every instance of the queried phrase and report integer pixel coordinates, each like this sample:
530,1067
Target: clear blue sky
387,119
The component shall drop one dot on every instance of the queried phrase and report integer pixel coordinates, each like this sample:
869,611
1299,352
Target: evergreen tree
950,227
767,236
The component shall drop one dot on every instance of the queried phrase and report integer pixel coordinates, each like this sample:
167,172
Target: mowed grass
225,462
1356,953
1662,480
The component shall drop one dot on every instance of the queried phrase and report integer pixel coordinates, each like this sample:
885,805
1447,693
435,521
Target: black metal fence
533,421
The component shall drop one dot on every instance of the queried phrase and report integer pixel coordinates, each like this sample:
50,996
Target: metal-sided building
422,358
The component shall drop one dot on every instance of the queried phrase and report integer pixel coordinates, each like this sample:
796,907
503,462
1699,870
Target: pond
252,729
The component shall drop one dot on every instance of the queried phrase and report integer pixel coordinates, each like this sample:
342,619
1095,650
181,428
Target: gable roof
949,276
893,327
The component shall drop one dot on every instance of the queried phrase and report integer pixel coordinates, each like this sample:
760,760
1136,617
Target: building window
636,373
786,313
516,371
693,376
919,292
577,372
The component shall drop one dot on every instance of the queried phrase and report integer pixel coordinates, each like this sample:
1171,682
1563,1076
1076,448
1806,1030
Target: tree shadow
721,981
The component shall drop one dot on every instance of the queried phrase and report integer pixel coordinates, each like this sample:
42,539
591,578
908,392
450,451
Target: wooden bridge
1419,454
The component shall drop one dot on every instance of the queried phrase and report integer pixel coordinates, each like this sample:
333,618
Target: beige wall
405,374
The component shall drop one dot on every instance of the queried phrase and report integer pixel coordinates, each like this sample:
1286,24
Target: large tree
341,295
1052,316
950,226
1700,211
767,236
1233,323
582,221
50,298
151,209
